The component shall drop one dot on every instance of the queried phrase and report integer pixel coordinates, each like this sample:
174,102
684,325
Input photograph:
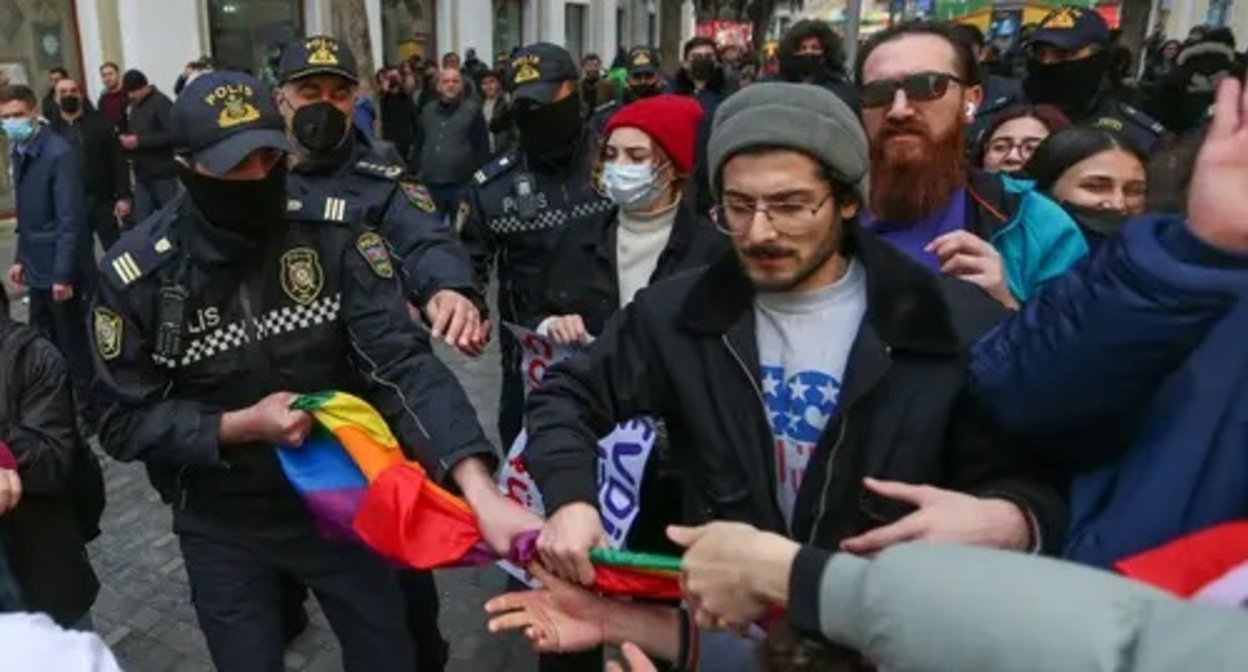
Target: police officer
1068,66
645,79
512,213
210,317
336,168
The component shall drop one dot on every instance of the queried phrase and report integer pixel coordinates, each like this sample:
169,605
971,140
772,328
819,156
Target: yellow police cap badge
236,108
1061,18
108,329
321,51
526,69
302,279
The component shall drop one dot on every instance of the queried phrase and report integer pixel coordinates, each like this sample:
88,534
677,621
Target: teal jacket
1035,237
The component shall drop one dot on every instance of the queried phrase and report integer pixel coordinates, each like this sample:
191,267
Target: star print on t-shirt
799,407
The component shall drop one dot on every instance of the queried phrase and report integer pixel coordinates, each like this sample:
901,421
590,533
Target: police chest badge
418,196
302,278
107,333
373,249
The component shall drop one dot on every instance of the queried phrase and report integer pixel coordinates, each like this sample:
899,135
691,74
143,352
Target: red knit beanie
671,121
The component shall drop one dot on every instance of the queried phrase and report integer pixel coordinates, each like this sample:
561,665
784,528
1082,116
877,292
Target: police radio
169,316
526,197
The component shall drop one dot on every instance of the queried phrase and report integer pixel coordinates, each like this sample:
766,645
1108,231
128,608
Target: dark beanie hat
671,121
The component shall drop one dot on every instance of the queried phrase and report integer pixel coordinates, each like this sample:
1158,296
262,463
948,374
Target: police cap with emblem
221,117
643,61
1071,28
317,55
538,71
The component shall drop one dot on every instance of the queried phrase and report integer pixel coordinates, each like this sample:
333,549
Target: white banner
622,454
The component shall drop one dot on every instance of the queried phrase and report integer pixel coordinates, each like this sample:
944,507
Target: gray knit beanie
802,117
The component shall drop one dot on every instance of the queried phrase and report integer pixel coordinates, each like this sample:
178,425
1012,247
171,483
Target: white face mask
633,187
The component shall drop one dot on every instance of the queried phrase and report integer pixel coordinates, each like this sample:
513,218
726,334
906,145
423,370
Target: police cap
317,55
222,116
643,61
537,71
1072,28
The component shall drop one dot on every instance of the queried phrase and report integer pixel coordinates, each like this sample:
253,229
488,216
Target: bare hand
129,140
121,210
944,516
62,292
273,421
456,319
964,255
10,490
568,330
1218,196
17,275
636,659
731,572
559,617
501,520
566,539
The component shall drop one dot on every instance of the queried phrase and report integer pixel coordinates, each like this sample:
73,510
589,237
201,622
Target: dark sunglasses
919,87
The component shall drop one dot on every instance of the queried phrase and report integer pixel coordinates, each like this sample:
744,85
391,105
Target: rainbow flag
357,484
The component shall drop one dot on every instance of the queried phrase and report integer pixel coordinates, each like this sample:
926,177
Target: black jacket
41,535
318,306
398,121
586,282
685,351
151,120
104,170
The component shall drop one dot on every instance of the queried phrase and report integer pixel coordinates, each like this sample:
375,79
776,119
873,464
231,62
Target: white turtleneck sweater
639,241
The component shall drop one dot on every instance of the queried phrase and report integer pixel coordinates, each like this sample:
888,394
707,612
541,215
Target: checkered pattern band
548,219
273,323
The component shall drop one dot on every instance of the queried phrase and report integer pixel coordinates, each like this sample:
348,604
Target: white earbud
970,111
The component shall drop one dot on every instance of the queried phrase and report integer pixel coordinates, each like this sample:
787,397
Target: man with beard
452,141
920,87
591,77
1068,66
645,79
512,214
835,366
812,53
211,317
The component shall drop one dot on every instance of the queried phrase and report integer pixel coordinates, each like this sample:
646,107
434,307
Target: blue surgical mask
19,129
633,187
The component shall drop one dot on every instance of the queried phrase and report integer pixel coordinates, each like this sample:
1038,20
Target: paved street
144,611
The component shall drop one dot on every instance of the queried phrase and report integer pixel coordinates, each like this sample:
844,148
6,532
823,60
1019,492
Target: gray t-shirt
804,339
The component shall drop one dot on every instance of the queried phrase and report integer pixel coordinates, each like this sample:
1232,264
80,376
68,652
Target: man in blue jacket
1131,372
54,252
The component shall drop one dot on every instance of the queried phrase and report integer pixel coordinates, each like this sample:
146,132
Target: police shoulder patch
381,170
107,327
418,196
1142,119
495,168
373,248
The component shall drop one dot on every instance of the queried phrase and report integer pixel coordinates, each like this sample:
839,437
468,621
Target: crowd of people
904,325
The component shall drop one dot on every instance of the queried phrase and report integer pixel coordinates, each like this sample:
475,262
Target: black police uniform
511,217
1142,130
641,60
190,322
354,184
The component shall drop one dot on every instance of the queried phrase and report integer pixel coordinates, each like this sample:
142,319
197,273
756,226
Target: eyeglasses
1003,146
919,87
736,215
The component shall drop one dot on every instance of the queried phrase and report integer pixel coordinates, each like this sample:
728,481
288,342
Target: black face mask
550,131
319,128
251,209
71,104
1096,223
1071,86
592,77
808,66
639,91
702,69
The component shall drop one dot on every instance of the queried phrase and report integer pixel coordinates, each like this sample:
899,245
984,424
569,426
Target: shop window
574,17
409,29
508,26
250,34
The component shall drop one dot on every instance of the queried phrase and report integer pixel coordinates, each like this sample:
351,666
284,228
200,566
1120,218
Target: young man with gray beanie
812,382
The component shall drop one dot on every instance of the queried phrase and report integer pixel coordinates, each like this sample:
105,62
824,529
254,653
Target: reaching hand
501,520
728,571
568,330
456,319
557,618
566,539
62,292
967,256
1217,203
636,659
944,516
